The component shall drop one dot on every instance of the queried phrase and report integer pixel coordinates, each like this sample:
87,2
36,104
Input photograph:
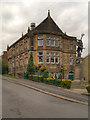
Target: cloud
71,17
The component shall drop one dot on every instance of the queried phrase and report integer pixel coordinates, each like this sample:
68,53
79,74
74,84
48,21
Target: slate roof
48,25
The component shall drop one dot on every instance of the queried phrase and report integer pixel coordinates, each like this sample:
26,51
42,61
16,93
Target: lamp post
14,65
14,60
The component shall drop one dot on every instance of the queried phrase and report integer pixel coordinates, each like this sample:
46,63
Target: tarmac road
22,102
52,89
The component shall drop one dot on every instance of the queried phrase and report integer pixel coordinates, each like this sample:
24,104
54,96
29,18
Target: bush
46,71
36,78
88,88
66,83
89,81
50,80
45,74
42,69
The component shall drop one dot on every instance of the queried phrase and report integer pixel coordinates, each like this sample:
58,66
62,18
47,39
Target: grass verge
9,76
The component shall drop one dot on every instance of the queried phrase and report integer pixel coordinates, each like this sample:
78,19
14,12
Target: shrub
42,69
36,78
46,71
37,68
50,80
66,83
45,74
89,81
88,88
26,75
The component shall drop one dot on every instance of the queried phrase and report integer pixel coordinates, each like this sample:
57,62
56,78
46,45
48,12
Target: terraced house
50,46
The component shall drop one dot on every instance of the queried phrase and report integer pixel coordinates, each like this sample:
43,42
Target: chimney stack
32,26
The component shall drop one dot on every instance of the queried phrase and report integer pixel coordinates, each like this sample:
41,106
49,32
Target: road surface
22,102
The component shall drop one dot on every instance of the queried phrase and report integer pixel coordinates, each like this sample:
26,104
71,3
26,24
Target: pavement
80,91
75,95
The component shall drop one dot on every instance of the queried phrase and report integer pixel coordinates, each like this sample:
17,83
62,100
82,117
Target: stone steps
77,84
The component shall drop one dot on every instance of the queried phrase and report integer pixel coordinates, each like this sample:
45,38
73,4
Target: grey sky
71,17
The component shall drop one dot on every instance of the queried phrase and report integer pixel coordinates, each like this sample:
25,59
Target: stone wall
86,68
19,53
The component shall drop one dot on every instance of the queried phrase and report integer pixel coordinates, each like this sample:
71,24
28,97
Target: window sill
40,63
53,46
47,63
47,45
57,63
52,63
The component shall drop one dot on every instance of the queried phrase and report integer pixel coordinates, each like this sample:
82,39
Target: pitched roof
48,25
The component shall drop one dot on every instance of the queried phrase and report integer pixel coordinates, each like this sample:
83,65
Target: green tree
4,68
31,67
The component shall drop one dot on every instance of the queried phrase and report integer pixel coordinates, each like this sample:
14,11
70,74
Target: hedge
66,83
38,78
88,88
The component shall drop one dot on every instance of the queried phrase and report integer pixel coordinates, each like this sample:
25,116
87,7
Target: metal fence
44,77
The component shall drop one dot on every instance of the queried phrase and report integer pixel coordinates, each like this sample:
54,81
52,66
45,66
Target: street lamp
14,59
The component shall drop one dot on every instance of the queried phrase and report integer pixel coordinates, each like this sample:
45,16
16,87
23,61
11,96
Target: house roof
48,25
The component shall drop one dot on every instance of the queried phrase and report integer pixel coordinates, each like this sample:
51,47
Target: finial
48,13
7,46
28,29
22,34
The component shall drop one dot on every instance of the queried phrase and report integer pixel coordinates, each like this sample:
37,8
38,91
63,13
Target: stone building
86,68
50,46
